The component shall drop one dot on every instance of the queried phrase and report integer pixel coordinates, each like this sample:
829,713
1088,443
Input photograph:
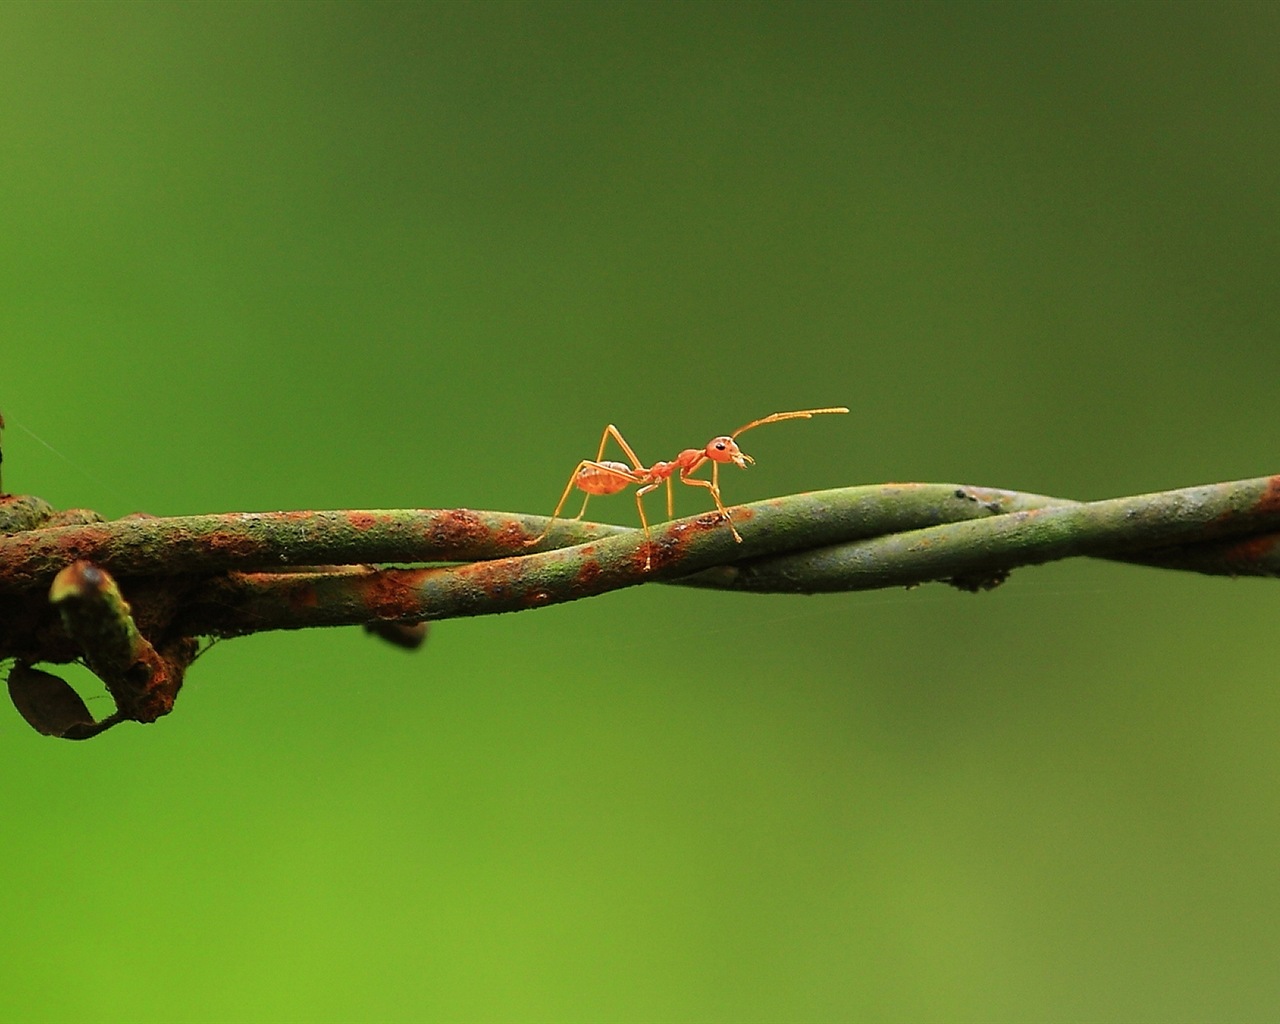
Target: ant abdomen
604,477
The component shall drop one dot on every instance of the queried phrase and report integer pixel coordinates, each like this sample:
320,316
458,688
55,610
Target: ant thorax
688,459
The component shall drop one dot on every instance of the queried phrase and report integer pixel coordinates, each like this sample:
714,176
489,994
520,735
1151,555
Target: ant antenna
776,417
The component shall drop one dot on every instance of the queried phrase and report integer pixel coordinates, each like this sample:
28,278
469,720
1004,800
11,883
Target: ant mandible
594,476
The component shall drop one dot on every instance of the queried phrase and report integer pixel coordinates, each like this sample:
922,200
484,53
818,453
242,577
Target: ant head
725,449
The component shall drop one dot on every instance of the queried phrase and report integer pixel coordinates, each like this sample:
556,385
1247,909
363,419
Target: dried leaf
48,703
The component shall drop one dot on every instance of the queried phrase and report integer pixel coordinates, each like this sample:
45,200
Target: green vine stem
237,573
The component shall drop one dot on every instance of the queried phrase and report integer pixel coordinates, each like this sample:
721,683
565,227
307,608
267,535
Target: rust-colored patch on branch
1252,551
588,572
392,594
512,536
497,579
1270,499
459,528
363,521
232,543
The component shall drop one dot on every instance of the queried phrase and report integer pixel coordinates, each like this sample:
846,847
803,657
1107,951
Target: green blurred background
267,256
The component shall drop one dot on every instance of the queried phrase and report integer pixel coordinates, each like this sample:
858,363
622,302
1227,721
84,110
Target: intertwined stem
231,574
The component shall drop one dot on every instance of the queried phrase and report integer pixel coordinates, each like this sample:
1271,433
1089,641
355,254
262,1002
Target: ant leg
612,431
568,488
607,479
644,522
714,488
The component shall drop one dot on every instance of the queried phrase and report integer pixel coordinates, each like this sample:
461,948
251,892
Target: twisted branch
232,574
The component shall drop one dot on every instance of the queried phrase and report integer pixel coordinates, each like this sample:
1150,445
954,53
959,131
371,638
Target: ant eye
720,447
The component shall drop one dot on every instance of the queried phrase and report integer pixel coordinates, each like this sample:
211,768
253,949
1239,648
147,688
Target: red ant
596,477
